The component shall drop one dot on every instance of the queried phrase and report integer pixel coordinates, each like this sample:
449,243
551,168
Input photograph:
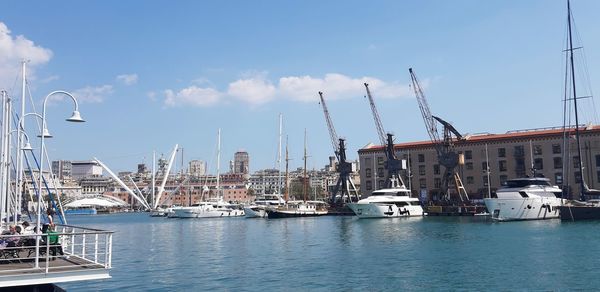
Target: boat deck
86,255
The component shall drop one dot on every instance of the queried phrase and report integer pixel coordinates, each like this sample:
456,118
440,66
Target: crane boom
424,107
343,168
332,134
378,124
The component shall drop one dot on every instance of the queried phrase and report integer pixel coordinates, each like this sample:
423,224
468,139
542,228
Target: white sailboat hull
534,208
384,210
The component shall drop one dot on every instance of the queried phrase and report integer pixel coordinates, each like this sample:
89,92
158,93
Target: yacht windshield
521,183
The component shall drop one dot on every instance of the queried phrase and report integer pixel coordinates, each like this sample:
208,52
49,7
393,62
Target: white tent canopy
98,202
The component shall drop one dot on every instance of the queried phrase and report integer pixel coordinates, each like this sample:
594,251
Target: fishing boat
525,199
574,210
384,203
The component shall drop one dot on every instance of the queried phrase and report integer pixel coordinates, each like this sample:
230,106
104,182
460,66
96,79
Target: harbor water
345,253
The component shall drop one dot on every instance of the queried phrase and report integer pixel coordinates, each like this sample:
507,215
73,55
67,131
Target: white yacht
258,209
384,203
210,209
525,199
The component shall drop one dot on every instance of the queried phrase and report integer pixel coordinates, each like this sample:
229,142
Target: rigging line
33,105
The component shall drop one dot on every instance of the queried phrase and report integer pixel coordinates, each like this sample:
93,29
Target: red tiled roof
482,138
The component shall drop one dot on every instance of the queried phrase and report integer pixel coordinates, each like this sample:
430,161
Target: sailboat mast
287,160
581,181
153,175
305,181
218,161
279,155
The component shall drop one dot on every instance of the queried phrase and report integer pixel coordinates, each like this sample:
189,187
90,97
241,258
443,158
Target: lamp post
75,117
20,147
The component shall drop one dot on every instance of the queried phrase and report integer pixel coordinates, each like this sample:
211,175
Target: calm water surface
344,253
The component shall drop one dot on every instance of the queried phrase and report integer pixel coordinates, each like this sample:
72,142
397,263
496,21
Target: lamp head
45,133
27,147
76,117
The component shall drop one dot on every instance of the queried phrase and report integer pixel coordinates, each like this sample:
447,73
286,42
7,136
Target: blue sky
150,74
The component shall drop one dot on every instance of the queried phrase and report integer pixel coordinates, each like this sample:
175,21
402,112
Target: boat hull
275,214
255,212
204,213
523,209
577,213
383,210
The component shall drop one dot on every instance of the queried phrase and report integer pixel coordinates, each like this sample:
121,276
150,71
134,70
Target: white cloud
256,90
15,49
128,79
193,95
91,94
338,86
151,95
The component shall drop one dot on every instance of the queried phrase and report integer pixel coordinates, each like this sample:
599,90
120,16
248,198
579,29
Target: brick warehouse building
511,155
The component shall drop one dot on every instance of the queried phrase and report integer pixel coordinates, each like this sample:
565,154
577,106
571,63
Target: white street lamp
75,117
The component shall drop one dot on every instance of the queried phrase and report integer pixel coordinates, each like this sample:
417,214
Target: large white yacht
525,199
258,209
384,203
210,209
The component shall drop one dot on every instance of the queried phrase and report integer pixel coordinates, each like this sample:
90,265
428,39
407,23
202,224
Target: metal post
96,249
83,246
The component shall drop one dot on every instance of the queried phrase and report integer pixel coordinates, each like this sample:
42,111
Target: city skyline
154,75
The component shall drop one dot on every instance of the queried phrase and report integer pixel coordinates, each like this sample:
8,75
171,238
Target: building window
501,152
381,184
468,154
469,165
380,172
485,181
556,148
558,164
502,165
369,185
436,169
367,172
422,183
437,183
379,160
519,151
558,178
470,180
598,175
421,157
597,160
484,167
421,169
503,179
576,161
577,176
537,149
538,163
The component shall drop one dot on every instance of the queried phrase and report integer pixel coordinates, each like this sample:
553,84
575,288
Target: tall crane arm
378,124
424,107
332,134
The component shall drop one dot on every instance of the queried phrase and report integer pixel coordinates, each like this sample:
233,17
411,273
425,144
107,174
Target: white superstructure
384,203
525,199
211,209
258,209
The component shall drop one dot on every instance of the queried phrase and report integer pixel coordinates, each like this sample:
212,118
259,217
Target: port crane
343,168
393,165
444,145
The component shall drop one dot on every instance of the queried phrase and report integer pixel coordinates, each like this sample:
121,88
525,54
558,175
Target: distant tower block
241,162
197,167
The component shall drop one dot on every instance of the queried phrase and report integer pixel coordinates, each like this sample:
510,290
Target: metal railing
68,248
